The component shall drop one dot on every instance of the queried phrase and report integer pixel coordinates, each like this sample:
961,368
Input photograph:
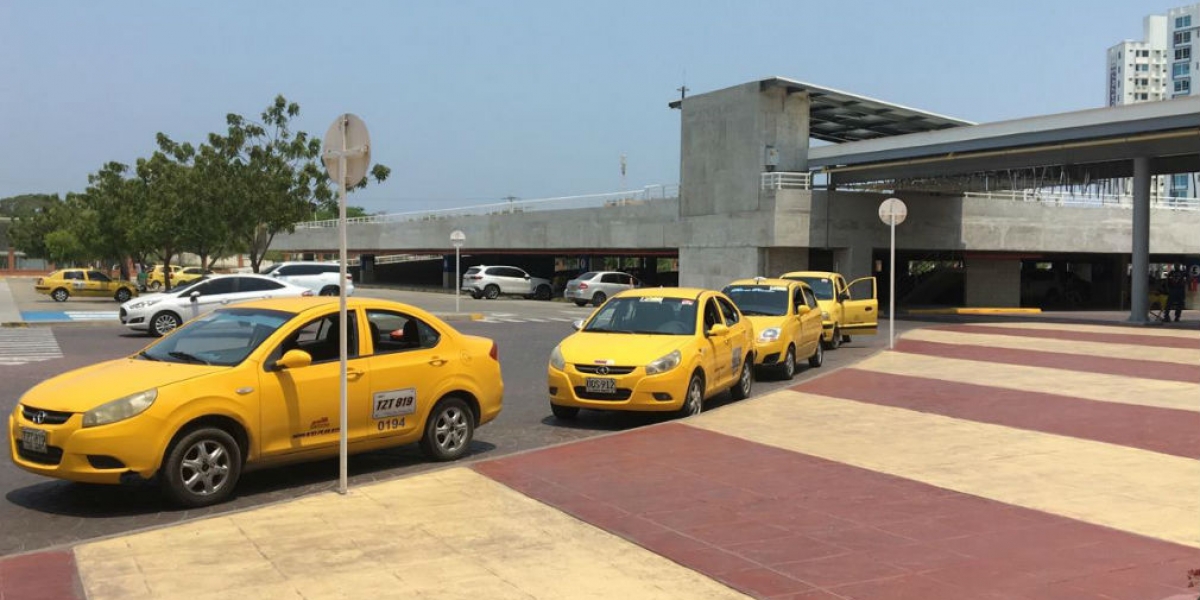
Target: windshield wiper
187,357
146,356
603,330
759,313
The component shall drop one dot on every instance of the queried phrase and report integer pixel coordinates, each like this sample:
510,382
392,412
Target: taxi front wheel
60,295
741,389
202,468
565,413
693,402
448,430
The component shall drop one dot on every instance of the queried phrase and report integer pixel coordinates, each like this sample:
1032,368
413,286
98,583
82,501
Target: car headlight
556,359
769,334
664,364
825,315
143,304
119,410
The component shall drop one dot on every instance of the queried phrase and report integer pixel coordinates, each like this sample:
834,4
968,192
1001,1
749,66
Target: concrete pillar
1139,302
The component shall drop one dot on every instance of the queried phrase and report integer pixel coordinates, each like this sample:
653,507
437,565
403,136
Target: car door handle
869,309
353,373
437,362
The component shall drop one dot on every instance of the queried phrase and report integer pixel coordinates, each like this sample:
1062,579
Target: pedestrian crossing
493,317
21,345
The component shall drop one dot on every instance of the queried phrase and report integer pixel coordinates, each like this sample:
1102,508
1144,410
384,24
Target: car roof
767,281
666,292
811,274
307,303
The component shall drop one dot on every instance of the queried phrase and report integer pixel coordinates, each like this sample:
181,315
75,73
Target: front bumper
137,320
105,454
636,391
769,353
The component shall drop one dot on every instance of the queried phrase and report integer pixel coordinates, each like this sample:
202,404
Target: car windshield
184,288
224,337
646,315
821,286
269,269
759,300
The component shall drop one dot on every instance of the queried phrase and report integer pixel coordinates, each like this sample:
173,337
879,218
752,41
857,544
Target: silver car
597,286
490,282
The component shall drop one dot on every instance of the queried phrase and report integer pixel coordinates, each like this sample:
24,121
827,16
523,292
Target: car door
209,295
408,361
301,408
811,322
741,336
862,308
97,284
513,280
718,349
254,288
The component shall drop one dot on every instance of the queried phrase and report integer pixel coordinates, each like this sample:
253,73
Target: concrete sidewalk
1006,460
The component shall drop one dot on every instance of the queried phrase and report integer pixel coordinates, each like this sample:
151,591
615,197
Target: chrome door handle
353,373
437,362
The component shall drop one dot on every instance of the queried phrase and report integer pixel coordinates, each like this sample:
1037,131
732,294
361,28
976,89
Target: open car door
860,312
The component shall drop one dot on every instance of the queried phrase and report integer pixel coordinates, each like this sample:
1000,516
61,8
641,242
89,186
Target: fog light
553,391
662,396
99,461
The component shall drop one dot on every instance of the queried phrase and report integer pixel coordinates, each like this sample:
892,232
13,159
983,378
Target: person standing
1176,287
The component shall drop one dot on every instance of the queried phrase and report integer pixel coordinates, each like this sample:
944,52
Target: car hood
84,389
762,322
157,297
619,348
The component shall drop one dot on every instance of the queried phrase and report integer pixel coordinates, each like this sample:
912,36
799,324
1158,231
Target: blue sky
473,100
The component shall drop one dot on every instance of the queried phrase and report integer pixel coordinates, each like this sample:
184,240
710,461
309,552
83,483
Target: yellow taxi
653,349
786,320
156,280
842,314
188,275
258,384
64,283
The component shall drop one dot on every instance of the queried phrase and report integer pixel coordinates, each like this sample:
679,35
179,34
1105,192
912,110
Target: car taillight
349,277
475,277
39,281
307,293
494,352
583,286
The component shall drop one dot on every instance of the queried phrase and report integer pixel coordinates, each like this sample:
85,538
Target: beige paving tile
1100,483
1182,356
1180,395
1110,329
445,534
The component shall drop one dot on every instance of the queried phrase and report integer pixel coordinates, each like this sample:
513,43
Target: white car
321,278
159,314
490,282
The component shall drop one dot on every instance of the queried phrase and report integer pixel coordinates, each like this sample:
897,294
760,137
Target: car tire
818,356
448,430
202,467
846,339
123,295
491,292
835,340
693,400
542,292
787,369
329,290
155,286
60,295
598,298
745,382
564,413
163,323
476,295
581,303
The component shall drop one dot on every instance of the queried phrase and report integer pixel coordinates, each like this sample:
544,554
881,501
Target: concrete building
1137,69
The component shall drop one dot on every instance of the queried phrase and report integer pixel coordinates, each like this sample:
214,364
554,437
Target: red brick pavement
1159,341
40,576
778,524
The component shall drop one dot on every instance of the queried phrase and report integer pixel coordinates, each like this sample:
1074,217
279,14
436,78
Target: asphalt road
39,513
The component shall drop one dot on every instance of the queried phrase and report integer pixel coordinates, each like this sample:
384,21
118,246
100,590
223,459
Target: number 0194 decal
394,403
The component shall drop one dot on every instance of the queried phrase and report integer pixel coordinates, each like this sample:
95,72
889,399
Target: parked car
189,274
159,314
653,349
841,313
254,385
597,286
64,283
156,279
321,278
786,319
490,282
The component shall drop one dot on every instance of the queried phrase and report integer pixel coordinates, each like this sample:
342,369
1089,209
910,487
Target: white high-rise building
1137,70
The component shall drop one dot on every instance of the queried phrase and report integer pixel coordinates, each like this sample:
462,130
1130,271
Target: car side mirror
294,359
194,295
577,324
803,309
719,330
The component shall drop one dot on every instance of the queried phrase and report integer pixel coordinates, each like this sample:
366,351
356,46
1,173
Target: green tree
161,190
27,204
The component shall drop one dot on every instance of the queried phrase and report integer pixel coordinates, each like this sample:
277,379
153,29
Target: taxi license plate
33,440
598,385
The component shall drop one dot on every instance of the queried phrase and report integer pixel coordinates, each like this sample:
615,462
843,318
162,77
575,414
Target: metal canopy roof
837,116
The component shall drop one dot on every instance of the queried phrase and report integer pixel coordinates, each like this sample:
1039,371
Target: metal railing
1088,200
632,197
389,259
785,180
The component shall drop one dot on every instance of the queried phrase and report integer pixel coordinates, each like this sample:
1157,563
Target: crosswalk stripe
20,346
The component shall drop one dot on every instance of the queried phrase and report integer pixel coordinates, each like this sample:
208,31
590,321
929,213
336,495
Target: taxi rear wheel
60,295
449,430
693,401
155,286
787,369
123,295
818,357
835,341
741,389
202,467
566,413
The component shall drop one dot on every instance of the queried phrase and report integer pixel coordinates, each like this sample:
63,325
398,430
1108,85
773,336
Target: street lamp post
457,239
892,212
